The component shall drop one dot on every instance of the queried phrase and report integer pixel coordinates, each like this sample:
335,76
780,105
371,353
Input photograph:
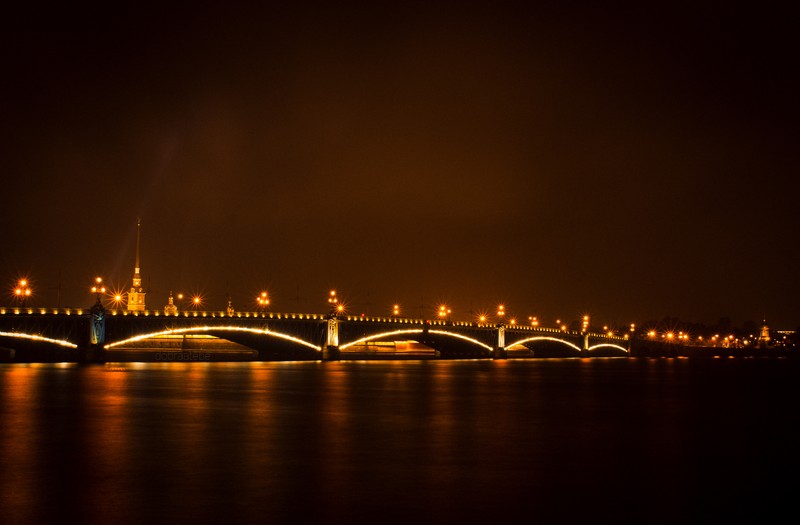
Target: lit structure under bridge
96,335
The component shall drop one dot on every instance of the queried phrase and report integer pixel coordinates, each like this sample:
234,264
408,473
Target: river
617,440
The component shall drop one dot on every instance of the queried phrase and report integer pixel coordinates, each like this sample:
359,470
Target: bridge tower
331,351
137,293
92,351
500,349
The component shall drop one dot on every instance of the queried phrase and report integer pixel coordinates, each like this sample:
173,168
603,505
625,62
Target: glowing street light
501,312
197,301
22,291
534,321
396,310
117,299
337,306
98,289
444,311
262,300
333,301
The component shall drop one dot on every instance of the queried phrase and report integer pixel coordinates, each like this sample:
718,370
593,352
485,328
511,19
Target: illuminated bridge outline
147,324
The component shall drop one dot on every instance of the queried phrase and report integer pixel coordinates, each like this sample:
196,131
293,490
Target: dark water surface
519,441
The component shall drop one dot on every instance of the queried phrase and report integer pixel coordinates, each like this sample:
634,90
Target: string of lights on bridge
115,301
22,293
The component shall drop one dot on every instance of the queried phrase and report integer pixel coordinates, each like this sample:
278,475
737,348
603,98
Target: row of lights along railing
22,291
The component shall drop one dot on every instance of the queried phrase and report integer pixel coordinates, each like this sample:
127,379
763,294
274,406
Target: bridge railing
29,310
26,311
216,314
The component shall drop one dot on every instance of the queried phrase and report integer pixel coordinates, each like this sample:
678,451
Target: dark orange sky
624,161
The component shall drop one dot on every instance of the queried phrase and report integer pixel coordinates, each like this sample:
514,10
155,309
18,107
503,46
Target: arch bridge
93,334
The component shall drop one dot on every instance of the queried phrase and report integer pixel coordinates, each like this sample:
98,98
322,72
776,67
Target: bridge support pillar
91,354
331,353
585,345
500,350
331,350
93,351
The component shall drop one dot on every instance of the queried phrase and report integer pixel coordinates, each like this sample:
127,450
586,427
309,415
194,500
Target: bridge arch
39,338
375,337
607,345
462,337
545,338
209,329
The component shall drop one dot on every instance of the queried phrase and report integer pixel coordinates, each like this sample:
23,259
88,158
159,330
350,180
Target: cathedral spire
136,294
138,230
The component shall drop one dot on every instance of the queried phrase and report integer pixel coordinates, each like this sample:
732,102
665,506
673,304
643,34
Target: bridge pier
585,345
331,353
92,350
91,354
331,350
499,351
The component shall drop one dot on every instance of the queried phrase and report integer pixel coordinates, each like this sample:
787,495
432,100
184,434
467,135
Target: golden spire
136,295
138,230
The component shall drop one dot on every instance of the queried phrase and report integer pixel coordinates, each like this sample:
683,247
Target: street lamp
335,305
22,291
262,300
98,289
444,311
197,301
118,300
396,310
333,301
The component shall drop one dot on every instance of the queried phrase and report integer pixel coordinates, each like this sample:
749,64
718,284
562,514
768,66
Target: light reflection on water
589,440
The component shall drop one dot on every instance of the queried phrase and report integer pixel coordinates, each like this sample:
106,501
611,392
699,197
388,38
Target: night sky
625,161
